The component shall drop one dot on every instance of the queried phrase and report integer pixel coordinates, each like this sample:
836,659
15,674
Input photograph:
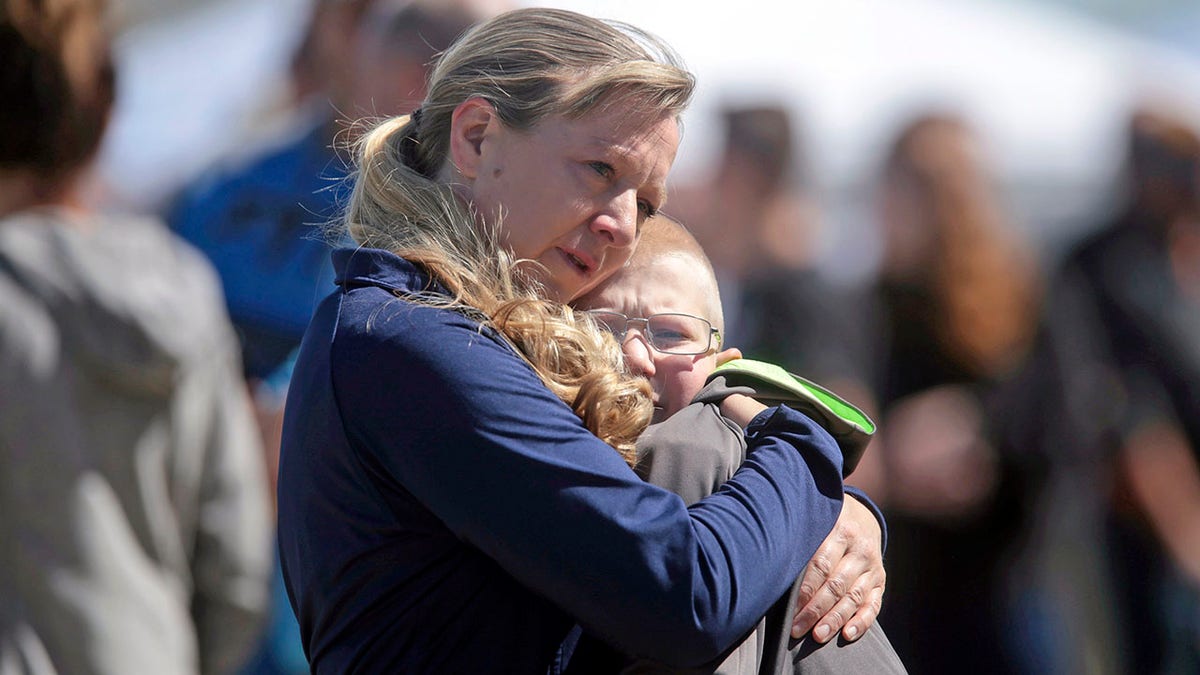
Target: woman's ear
470,122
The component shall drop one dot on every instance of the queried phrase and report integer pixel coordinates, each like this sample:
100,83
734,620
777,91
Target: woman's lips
579,260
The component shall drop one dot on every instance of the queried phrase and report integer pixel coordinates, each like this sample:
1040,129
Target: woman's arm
692,453
474,435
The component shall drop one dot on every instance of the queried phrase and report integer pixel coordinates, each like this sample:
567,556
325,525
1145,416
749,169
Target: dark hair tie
409,144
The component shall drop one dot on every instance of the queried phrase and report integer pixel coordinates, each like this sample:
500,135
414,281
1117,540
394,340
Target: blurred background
1046,82
977,219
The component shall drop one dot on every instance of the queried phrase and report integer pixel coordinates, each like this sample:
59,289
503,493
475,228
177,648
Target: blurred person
768,273
1126,322
956,302
759,221
135,532
262,222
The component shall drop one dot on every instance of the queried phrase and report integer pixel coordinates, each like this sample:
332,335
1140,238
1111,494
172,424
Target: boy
665,310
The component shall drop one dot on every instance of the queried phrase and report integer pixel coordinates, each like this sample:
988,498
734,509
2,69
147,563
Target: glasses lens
679,333
612,321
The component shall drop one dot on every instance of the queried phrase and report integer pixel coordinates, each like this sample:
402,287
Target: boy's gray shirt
135,524
692,453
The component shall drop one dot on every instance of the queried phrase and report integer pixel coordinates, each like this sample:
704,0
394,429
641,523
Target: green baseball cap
772,385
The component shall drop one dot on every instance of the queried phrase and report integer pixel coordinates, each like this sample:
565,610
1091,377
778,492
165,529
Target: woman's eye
647,209
603,169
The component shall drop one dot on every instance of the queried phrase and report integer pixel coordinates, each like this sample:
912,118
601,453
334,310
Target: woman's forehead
644,147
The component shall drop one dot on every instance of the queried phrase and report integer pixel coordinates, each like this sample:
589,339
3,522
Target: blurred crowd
1037,456
1039,418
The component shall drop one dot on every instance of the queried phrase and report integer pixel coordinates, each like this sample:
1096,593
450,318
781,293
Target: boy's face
671,284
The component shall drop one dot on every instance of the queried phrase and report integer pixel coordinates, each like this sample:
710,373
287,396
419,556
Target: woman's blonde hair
529,64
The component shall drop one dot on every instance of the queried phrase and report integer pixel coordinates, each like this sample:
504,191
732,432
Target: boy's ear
470,123
726,355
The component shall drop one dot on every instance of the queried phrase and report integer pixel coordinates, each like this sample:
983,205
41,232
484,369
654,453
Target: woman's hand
842,586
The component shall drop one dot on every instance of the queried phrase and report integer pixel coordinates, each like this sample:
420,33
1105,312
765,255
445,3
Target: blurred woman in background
957,304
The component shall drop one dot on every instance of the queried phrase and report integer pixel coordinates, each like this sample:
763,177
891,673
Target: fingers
839,606
842,586
741,409
726,355
815,598
866,615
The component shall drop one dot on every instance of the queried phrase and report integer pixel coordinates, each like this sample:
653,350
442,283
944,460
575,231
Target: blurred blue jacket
264,227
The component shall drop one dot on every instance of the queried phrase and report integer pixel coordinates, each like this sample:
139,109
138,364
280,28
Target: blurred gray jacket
135,524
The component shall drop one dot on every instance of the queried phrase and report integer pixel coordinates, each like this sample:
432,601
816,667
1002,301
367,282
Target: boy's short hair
663,236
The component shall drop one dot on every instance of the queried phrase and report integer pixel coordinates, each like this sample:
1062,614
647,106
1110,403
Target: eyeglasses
668,332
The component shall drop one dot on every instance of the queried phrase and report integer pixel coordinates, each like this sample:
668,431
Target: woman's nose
617,221
638,356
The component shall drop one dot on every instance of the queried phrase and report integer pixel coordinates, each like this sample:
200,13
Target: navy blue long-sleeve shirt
440,510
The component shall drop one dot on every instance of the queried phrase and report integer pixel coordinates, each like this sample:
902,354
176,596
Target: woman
958,300
441,509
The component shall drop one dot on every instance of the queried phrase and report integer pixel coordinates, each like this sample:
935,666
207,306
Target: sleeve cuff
866,501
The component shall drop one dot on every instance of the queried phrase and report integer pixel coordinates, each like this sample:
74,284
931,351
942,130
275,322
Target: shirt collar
377,267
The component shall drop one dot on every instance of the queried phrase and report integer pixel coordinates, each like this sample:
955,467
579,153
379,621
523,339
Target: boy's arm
695,450
692,452
842,587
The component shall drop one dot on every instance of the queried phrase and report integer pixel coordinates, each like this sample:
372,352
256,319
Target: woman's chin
551,287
